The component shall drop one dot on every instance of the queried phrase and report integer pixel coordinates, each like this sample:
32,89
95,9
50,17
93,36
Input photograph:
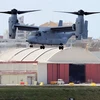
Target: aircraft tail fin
60,23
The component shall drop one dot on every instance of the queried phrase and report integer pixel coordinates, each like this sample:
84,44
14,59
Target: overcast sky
47,14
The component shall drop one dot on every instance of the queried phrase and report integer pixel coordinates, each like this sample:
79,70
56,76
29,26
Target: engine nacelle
12,30
85,32
79,27
78,30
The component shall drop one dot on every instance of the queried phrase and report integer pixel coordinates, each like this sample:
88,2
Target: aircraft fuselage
49,38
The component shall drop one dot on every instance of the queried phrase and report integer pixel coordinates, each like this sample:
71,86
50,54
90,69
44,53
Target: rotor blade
7,12
80,12
15,11
21,12
76,13
89,13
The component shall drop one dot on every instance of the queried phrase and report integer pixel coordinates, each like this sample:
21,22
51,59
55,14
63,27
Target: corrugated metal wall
57,71
93,73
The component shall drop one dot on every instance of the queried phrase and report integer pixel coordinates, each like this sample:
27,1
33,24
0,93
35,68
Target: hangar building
34,64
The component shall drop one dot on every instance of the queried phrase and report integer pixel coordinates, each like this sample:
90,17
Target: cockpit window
34,33
38,34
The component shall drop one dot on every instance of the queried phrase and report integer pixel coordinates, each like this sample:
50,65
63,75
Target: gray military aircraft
40,35
51,36
81,25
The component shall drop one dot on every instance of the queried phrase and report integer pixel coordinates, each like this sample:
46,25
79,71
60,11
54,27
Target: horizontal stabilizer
26,28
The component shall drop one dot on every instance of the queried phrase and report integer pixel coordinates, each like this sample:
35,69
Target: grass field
49,93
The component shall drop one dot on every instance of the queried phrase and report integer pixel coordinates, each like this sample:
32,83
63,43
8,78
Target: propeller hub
14,11
81,12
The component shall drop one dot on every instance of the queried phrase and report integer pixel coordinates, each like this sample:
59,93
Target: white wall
12,79
9,76
18,66
15,79
42,73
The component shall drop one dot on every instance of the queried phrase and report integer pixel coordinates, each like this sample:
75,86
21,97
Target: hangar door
57,71
76,73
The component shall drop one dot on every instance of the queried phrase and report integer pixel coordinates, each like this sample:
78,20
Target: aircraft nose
30,39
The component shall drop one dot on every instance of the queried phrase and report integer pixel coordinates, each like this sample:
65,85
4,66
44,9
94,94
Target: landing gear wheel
61,47
31,45
42,47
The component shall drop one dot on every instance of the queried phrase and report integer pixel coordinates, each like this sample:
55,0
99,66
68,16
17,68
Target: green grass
49,93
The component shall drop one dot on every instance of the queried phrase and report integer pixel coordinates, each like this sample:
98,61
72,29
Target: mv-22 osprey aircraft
49,35
39,35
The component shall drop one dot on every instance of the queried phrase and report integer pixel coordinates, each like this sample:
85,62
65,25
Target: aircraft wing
62,29
26,27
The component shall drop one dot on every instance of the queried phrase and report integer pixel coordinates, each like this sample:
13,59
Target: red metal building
61,71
